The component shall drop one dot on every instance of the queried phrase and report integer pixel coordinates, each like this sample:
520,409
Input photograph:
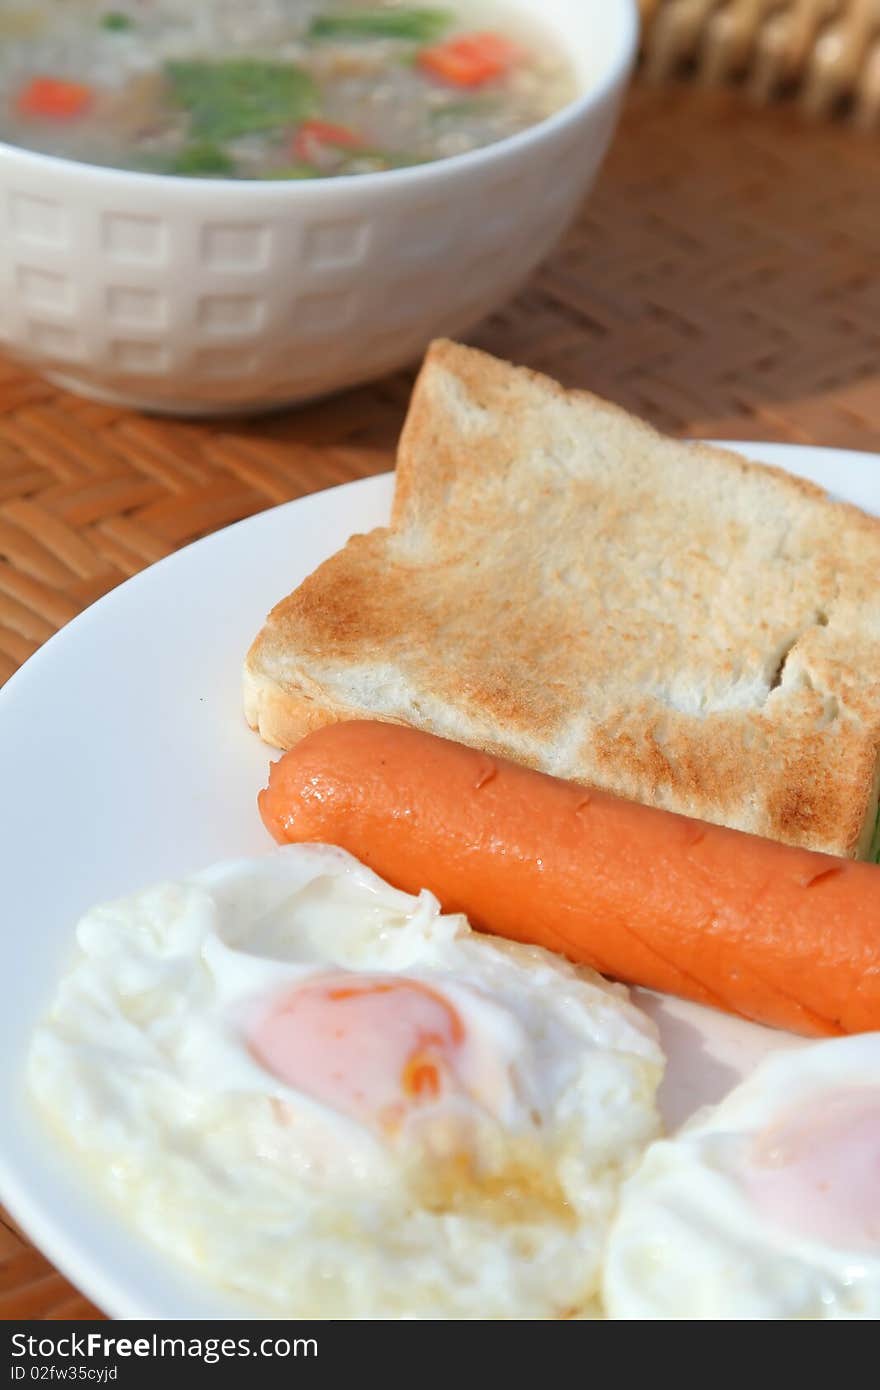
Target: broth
271,89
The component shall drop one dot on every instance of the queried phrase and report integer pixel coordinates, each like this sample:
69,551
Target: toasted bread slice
565,586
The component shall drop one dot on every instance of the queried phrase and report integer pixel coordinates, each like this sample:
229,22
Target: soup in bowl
277,89
325,248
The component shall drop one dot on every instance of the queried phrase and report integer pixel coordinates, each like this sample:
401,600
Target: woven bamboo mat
723,280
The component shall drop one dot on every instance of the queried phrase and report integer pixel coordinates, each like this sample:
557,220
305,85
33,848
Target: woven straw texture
823,54
721,281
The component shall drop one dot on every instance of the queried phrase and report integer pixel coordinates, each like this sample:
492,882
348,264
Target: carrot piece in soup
470,60
314,138
54,98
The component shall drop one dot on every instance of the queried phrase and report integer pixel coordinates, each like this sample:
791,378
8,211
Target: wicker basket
825,53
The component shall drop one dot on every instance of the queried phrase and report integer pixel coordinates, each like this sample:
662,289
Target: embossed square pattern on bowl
208,296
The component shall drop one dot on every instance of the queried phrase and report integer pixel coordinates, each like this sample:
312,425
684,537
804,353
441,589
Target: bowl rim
613,75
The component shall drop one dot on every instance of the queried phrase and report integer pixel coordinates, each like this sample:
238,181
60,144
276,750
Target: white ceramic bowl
207,296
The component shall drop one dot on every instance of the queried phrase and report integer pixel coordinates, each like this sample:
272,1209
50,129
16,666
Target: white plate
124,759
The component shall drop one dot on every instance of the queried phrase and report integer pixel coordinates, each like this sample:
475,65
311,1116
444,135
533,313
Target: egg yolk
818,1172
372,1047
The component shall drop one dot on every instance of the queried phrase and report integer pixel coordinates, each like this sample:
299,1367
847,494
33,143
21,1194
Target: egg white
690,1241
142,1066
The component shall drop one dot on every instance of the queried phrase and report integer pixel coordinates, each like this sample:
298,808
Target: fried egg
765,1207
332,1100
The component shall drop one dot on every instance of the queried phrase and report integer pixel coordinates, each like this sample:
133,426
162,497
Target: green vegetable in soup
202,158
115,21
875,848
293,171
420,26
21,23
240,96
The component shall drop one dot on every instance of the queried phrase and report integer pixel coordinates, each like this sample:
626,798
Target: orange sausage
780,935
